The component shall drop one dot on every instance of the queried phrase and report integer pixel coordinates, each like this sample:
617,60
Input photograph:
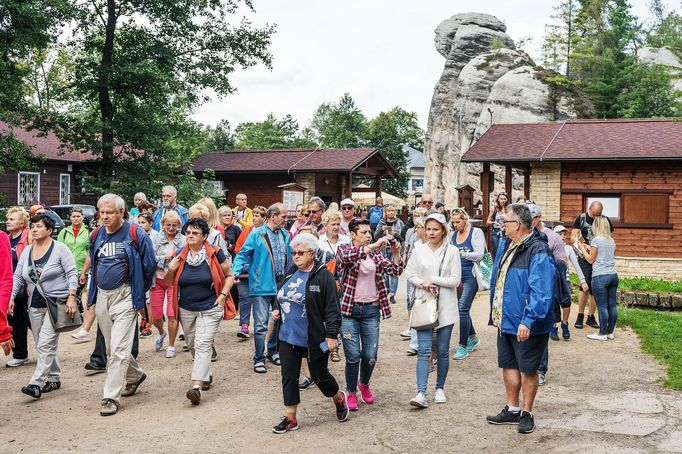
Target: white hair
171,189
307,240
141,196
118,202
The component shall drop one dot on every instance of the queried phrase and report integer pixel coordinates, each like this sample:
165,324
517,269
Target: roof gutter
552,141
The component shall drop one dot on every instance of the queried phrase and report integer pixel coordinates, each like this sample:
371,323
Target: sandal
259,368
335,356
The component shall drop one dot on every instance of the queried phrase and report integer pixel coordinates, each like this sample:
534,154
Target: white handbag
424,313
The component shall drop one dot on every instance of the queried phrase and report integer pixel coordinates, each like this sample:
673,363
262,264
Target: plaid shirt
348,258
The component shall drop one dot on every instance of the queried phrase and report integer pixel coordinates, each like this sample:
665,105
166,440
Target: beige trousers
46,339
200,329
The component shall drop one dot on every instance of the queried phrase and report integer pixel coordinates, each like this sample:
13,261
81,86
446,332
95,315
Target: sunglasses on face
315,211
306,213
299,253
346,208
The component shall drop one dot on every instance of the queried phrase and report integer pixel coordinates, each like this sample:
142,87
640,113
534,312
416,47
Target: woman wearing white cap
435,269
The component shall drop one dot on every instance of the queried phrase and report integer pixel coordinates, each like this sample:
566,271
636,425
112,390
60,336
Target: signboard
291,199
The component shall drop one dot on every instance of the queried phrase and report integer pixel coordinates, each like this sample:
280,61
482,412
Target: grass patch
660,334
642,284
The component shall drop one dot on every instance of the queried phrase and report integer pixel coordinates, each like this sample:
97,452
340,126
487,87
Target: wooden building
52,178
634,167
266,176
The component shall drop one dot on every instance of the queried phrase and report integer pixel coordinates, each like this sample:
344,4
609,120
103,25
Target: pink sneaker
365,394
352,401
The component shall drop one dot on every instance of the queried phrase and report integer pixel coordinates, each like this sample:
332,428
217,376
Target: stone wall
307,180
545,189
655,268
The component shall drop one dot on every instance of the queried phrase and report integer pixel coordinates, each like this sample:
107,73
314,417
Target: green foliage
14,155
641,284
648,92
340,125
660,334
271,134
388,131
219,138
666,30
561,37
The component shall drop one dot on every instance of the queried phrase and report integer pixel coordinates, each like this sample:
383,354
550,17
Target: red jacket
5,285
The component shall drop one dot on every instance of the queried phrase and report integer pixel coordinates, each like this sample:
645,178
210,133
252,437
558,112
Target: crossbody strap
38,283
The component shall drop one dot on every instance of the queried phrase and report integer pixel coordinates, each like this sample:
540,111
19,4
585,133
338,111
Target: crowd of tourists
316,288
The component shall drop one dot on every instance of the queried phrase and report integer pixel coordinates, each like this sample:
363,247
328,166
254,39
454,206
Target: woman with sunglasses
302,215
48,269
77,238
200,277
165,247
308,319
496,221
470,242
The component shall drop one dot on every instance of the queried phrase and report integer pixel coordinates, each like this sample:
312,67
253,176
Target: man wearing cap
425,202
521,297
347,215
562,289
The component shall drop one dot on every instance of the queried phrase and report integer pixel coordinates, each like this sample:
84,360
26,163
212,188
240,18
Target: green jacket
78,245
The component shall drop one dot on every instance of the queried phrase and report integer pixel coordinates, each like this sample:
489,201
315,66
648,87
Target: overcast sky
379,51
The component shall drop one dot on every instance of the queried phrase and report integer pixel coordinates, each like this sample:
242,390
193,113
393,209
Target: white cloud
380,51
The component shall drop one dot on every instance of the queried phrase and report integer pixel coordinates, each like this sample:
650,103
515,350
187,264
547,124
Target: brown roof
46,144
579,139
295,160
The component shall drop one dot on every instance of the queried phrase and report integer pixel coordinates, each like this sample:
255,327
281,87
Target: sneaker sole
510,423
80,341
462,358
243,336
345,401
193,397
285,430
417,404
527,431
19,365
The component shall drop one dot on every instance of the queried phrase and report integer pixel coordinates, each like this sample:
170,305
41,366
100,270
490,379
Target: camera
392,241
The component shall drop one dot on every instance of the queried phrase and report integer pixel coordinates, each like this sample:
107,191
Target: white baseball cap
559,228
346,202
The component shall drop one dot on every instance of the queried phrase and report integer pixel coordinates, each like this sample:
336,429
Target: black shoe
285,425
579,321
391,299
526,423
32,390
214,355
51,386
504,417
131,388
592,322
96,368
181,337
342,408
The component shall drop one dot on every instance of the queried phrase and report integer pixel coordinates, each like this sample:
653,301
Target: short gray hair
307,240
141,196
118,202
521,212
275,209
318,201
171,189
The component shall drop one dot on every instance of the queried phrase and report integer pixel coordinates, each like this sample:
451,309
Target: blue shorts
524,356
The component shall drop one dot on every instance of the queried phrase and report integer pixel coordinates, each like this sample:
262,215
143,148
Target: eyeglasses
429,202
306,213
193,233
347,208
315,211
513,220
299,253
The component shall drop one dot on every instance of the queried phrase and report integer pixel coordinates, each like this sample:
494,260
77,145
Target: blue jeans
604,290
466,326
392,280
495,243
262,307
360,336
425,338
244,302
410,295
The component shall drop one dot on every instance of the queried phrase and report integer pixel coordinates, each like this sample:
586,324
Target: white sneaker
419,401
17,362
597,336
610,336
440,396
81,336
170,352
406,334
158,345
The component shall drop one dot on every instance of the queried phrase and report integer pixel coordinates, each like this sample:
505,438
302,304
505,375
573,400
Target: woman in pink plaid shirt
364,272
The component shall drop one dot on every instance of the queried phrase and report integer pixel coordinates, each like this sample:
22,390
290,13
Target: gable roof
294,160
44,143
579,140
414,157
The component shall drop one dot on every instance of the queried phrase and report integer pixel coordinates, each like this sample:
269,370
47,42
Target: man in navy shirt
123,265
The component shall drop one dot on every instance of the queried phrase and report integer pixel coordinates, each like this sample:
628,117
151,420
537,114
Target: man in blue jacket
521,297
123,266
169,202
267,251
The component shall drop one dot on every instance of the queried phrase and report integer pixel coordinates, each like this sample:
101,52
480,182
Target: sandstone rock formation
664,57
484,72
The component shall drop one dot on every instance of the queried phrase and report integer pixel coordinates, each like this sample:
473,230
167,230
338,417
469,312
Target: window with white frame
64,189
28,187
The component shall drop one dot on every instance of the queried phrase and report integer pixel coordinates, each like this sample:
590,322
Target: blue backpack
375,216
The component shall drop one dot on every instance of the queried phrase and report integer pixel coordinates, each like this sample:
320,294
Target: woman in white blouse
435,268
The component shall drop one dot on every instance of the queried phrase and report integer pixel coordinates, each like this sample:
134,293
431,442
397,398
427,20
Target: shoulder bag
424,313
483,269
56,308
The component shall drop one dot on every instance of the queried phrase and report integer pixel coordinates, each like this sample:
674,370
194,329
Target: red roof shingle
579,139
46,144
298,160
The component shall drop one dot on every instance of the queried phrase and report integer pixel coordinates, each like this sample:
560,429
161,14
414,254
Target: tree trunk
105,105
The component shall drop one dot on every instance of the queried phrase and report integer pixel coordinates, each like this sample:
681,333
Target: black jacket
322,307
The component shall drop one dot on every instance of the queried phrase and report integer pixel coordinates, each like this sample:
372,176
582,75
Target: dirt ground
599,397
